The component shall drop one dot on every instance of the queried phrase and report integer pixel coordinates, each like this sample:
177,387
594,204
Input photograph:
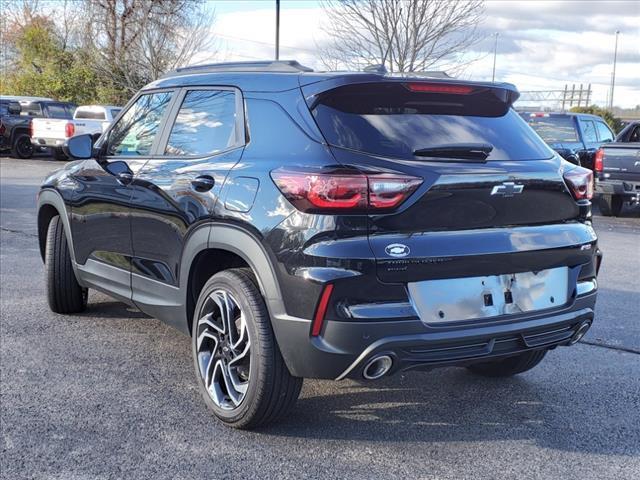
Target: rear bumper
48,142
618,187
346,347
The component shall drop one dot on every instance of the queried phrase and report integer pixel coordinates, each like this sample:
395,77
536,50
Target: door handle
203,183
125,178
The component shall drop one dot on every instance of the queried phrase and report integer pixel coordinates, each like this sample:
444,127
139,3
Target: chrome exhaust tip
377,367
580,332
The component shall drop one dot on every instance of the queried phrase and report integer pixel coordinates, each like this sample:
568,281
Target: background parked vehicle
87,119
617,167
16,114
575,136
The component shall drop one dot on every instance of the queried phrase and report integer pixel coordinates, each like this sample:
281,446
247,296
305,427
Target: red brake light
440,88
2,128
31,128
321,311
580,182
598,164
312,192
69,129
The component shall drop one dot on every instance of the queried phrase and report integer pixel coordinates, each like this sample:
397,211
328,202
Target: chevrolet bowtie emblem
507,189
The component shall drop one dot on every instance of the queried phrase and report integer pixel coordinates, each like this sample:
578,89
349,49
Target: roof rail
276,66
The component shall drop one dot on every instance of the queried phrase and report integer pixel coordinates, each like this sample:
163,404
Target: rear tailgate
511,212
621,161
91,127
49,128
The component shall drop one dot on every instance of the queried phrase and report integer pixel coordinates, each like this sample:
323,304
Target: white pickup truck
54,132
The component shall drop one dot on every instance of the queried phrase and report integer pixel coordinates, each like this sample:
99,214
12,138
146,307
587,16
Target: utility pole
277,29
613,75
495,52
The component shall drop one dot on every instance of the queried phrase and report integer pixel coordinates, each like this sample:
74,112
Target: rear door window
588,131
56,110
205,124
604,132
391,120
137,129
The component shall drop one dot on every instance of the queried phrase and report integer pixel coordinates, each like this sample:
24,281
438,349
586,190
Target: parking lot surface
111,393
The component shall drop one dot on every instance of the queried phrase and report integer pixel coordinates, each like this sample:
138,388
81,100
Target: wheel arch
50,204
229,246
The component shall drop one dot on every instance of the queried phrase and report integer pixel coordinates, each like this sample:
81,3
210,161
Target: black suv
325,225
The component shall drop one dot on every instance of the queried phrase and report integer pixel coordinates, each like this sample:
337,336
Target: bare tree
402,35
135,41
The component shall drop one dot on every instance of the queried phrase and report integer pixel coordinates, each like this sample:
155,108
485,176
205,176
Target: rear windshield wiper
464,151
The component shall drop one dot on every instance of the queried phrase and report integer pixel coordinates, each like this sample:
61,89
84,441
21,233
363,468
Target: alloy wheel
223,349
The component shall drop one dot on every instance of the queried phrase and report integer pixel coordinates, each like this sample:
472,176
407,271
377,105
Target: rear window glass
389,120
90,114
31,109
554,129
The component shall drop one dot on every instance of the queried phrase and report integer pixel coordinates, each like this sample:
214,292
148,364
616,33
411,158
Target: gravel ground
111,393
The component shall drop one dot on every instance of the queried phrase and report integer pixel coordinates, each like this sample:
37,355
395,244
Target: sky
542,45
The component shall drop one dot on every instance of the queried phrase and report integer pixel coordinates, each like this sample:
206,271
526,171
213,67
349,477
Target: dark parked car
15,121
575,136
325,225
617,167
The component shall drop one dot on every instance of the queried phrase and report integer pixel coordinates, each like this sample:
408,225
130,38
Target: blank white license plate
455,299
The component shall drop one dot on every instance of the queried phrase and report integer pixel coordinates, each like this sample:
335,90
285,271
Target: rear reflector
580,182
69,129
321,310
598,164
331,192
440,88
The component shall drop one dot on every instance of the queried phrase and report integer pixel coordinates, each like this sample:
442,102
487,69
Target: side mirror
14,108
79,147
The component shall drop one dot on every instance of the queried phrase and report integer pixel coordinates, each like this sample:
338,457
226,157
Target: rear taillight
580,182
31,128
598,164
439,88
318,192
2,128
69,129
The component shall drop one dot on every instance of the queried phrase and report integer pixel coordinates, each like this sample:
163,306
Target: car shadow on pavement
452,405
104,307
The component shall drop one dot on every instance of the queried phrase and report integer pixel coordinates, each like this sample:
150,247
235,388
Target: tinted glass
603,132
90,114
57,111
135,132
554,129
4,108
397,123
635,135
31,109
115,112
205,123
588,131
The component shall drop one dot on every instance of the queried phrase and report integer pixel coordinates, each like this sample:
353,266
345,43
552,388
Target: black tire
64,293
610,205
509,366
22,146
59,154
272,391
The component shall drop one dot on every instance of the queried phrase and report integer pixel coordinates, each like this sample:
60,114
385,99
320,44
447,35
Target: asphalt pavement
111,393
